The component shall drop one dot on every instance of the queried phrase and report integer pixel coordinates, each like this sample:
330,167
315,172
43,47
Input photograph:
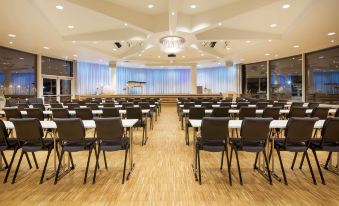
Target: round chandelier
172,44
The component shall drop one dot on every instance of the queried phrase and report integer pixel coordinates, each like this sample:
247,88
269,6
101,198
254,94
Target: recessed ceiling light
228,48
296,46
267,54
21,58
114,49
273,25
219,24
95,42
12,35
158,56
248,41
193,6
202,55
74,42
139,55
75,55
45,47
286,6
331,34
173,13
126,24
332,41
276,55
10,42
59,7
70,26
183,56
270,40
150,6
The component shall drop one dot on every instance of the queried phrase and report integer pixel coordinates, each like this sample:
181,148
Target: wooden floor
163,176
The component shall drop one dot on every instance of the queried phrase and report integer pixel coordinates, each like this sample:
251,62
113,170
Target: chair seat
78,146
48,143
140,123
114,146
298,147
211,146
330,147
255,147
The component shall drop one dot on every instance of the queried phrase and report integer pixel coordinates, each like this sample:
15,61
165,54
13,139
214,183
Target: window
322,69
57,67
255,79
286,79
17,73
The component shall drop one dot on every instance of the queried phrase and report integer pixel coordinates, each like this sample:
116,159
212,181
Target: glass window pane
58,67
256,79
65,87
286,79
17,73
49,87
323,76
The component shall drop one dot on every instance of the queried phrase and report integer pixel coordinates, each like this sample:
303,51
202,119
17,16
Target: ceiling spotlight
75,55
267,54
150,6
59,7
12,35
183,56
296,46
228,48
70,26
219,24
173,13
45,47
270,40
139,55
159,57
202,55
273,25
193,6
95,42
126,24
332,41
248,41
21,58
10,42
286,6
114,49
74,42
331,34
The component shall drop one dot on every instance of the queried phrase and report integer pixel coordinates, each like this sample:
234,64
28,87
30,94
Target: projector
172,55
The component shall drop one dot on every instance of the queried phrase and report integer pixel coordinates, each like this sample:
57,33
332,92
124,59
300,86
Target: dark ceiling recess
172,55
118,44
212,44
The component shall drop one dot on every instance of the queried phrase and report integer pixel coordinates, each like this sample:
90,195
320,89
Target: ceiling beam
234,34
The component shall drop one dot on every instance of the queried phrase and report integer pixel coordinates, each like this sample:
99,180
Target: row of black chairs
254,136
110,137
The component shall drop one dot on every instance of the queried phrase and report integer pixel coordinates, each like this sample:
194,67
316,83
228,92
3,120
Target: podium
132,84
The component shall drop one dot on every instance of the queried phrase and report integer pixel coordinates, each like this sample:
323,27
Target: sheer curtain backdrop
158,80
91,77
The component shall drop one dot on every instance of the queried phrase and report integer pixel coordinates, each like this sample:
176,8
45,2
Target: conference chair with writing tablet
313,105
261,105
194,113
39,105
56,105
60,113
84,113
220,112
110,112
92,106
297,112
12,113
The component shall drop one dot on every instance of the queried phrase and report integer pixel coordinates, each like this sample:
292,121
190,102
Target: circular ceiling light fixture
172,44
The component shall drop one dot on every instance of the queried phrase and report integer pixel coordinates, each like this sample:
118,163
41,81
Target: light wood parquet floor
163,176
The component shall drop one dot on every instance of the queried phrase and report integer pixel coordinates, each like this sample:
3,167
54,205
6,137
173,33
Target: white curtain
92,77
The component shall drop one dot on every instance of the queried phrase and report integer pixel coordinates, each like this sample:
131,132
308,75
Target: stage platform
165,98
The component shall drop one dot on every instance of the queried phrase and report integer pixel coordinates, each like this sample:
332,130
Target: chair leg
96,165
228,166
231,157
222,160
270,154
294,158
105,160
4,158
88,161
71,158
28,160
187,136
124,172
239,171
318,165
310,166
328,160
302,161
10,165
96,153
45,166
256,160
35,161
18,166
268,167
198,154
282,167
59,165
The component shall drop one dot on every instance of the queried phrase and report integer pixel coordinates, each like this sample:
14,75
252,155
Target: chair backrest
247,112
197,101
196,113
23,106
227,99
40,106
225,104
281,105
272,112
320,112
126,104
35,113
297,104
109,104
11,102
109,129
12,113
261,105
3,134
297,112
242,104
84,113
220,112
110,112
188,105
71,130
60,113
254,131
72,106
299,129
92,106
134,113
337,113
207,105
56,105
144,105
22,101
330,130
214,129
29,131
282,101
313,105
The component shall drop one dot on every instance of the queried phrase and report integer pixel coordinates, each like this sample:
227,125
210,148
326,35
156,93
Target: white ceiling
244,25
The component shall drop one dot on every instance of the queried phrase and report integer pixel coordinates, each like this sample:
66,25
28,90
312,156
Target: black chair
110,104
297,112
281,105
12,113
298,134
146,105
320,112
247,112
126,104
40,106
92,106
35,113
220,112
214,137
337,113
72,106
313,105
261,105
72,134
56,105
84,113
136,113
194,113
22,106
242,104
272,112
226,104
110,135
11,102
207,105
254,134
30,135
283,100
60,113
297,104
110,112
